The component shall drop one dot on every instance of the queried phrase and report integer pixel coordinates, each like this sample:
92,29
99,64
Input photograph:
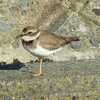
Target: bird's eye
30,33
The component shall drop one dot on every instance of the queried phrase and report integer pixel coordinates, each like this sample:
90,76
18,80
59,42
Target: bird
42,43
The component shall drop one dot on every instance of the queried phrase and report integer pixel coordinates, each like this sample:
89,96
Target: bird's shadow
15,65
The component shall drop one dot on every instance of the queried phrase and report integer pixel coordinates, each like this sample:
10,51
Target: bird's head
29,33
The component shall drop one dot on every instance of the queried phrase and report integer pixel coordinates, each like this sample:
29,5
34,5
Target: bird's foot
38,74
37,60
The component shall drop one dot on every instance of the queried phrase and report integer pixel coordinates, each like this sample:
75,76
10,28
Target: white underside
44,52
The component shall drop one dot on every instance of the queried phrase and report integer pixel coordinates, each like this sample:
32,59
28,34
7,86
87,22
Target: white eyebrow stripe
32,31
28,38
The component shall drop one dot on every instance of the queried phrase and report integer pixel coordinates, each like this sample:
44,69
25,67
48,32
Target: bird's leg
40,69
37,60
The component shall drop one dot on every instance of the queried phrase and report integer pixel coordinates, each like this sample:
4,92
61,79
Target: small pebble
96,11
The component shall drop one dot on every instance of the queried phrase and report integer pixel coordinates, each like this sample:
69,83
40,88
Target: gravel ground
74,80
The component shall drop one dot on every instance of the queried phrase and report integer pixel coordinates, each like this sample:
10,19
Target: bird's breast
39,50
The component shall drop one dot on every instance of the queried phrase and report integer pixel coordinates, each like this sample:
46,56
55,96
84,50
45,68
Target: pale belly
39,51
43,52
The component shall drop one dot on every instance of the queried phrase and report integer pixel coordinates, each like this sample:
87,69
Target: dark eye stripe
30,33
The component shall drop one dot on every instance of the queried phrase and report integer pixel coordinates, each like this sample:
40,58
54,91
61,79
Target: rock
7,98
4,26
76,45
63,17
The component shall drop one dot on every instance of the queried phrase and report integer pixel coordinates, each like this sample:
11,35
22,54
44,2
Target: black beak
19,36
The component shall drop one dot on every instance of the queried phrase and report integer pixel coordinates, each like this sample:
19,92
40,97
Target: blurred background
63,17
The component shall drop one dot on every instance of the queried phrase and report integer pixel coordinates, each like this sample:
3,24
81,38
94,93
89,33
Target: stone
63,17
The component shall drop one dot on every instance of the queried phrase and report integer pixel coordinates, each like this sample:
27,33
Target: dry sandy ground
73,80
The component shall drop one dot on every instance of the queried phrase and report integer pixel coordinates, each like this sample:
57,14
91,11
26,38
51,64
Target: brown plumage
49,40
52,41
43,43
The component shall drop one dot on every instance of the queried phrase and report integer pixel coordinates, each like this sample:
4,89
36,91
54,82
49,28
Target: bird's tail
71,39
